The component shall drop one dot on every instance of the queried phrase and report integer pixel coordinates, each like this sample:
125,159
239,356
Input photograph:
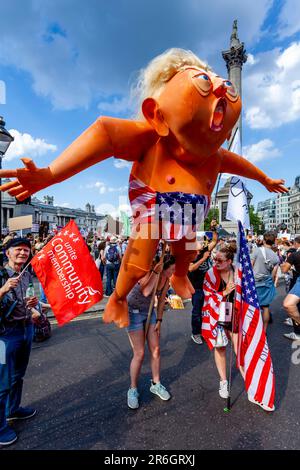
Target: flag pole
228,407
154,292
220,176
23,271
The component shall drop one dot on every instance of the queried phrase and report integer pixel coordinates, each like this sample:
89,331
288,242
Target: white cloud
262,150
251,59
25,145
272,88
122,164
76,55
103,188
289,20
116,105
64,204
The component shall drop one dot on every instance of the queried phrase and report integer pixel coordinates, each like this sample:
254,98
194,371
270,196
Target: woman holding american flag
231,311
219,292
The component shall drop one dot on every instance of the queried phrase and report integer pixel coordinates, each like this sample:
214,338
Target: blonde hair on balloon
152,79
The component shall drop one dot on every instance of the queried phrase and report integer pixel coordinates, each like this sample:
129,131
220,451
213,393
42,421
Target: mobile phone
209,235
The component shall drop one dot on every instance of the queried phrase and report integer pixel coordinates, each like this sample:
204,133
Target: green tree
256,222
212,214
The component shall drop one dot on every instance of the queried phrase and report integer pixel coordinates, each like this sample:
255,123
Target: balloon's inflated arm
237,165
105,138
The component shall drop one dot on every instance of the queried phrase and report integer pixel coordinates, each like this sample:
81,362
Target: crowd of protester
275,261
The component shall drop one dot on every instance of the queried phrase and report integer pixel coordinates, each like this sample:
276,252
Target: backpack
42,329
7,305
112,254
268,263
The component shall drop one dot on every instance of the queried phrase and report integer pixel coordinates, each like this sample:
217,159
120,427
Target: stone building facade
294,204
266,210
46,213
282,209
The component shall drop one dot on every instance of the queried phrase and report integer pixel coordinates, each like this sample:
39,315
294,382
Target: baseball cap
17,242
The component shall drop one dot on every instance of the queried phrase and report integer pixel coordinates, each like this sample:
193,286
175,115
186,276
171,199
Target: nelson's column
234,57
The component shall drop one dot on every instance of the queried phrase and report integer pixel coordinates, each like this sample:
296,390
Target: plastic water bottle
30,290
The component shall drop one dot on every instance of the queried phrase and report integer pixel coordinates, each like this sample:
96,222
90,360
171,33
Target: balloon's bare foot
116,311
182,286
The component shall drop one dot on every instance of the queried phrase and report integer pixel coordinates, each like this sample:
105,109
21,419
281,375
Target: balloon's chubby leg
184,252
136,263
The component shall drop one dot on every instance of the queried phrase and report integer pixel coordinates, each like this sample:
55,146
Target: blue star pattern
181,208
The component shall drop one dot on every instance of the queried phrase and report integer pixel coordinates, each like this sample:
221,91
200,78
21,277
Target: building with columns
46,213
282,206
282,209
266,210
294,204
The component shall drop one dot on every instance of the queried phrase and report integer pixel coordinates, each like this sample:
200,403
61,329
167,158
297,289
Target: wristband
159,319
155,272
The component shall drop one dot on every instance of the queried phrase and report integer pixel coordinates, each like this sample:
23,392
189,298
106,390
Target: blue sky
65,62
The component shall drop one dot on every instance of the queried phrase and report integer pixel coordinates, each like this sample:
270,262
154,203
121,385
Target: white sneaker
288,322
264,407
292,336
133,398
197,339
223,389
159,390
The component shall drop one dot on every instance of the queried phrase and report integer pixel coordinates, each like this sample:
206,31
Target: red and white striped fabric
253,350
142,199
174,214
210,310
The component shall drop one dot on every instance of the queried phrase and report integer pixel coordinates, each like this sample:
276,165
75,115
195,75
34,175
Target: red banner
68,274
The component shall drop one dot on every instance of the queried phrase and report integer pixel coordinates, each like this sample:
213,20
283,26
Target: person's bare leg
290,304
266,317
154,348
135,264
137,341
220,360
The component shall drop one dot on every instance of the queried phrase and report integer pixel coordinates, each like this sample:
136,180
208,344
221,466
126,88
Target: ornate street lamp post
5,140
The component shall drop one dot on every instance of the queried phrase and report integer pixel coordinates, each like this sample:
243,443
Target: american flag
253,351
177,213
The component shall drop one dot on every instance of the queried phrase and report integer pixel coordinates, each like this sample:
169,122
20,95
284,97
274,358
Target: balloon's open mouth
218,116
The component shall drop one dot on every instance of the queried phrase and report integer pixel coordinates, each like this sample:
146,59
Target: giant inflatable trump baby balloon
175,146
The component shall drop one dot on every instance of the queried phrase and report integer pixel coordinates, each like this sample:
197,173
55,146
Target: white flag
237,208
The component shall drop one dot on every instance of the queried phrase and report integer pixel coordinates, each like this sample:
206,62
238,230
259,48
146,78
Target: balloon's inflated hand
275,186
28,180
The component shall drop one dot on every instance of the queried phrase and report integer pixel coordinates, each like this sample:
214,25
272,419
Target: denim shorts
138,319
296,289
